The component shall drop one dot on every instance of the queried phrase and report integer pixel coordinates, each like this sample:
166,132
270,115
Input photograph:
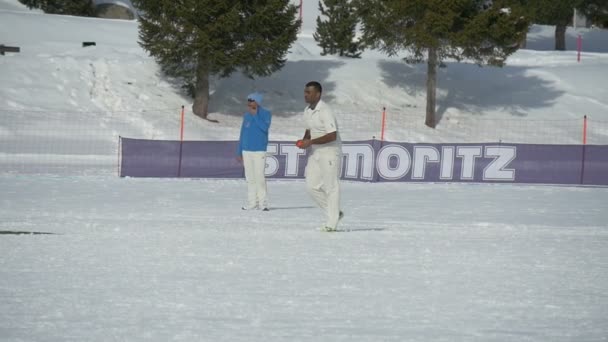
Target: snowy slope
122,86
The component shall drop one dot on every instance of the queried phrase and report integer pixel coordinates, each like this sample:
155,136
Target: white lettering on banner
383,162
422,155
447,162
359,160
468,155
292,159
502,155
393,162
272,163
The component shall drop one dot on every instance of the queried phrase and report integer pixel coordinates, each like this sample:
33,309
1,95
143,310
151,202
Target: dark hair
315,85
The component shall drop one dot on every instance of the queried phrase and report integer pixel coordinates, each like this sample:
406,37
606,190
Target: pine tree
85,8
193,40
555,12
560,13
595,10
433,30
336,34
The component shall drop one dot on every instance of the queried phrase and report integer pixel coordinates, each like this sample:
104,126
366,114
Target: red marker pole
301,1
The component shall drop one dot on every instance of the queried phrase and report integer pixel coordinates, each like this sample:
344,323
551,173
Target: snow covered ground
177,260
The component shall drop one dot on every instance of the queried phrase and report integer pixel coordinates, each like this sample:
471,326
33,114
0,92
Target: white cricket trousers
255,164
323,183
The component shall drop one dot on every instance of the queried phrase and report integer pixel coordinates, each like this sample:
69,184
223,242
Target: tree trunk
560,37
200,107
524,42
431,88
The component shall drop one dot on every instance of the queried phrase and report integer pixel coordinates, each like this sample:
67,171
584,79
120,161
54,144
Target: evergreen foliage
336,33
195,39
84,8
485,32
559,13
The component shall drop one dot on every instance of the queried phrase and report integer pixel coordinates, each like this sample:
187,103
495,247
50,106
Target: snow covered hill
115,88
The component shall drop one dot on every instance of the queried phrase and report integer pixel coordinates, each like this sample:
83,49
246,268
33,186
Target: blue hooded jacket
255,128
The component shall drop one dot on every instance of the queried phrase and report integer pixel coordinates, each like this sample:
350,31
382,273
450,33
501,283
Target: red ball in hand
299,143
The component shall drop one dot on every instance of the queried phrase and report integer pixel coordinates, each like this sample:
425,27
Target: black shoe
265,209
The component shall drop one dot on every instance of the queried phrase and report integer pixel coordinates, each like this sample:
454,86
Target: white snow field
177,260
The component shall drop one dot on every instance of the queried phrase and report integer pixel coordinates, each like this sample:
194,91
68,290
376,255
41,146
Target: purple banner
375,161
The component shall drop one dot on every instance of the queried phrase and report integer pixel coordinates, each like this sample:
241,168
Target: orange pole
383,123
583,159
301,10
585,130
181,130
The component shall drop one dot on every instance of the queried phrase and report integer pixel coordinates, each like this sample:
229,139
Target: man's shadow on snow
291,208
283,91
473,89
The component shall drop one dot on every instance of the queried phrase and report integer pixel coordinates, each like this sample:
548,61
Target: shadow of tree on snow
229,95
474,89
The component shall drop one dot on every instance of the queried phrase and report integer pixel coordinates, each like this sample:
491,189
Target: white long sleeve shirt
321,121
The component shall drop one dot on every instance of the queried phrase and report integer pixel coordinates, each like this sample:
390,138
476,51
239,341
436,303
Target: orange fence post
585,130
584,154
181,130
383,123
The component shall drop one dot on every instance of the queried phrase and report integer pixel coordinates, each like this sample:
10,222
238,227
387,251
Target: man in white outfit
253,143
325,155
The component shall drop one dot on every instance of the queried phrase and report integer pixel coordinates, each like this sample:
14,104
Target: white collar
317,107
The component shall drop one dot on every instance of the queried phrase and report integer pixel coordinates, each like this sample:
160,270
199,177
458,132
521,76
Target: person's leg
260,179
330,169
249,165
314,182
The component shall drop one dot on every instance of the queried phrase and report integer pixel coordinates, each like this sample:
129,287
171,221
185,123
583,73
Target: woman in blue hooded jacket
251,152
